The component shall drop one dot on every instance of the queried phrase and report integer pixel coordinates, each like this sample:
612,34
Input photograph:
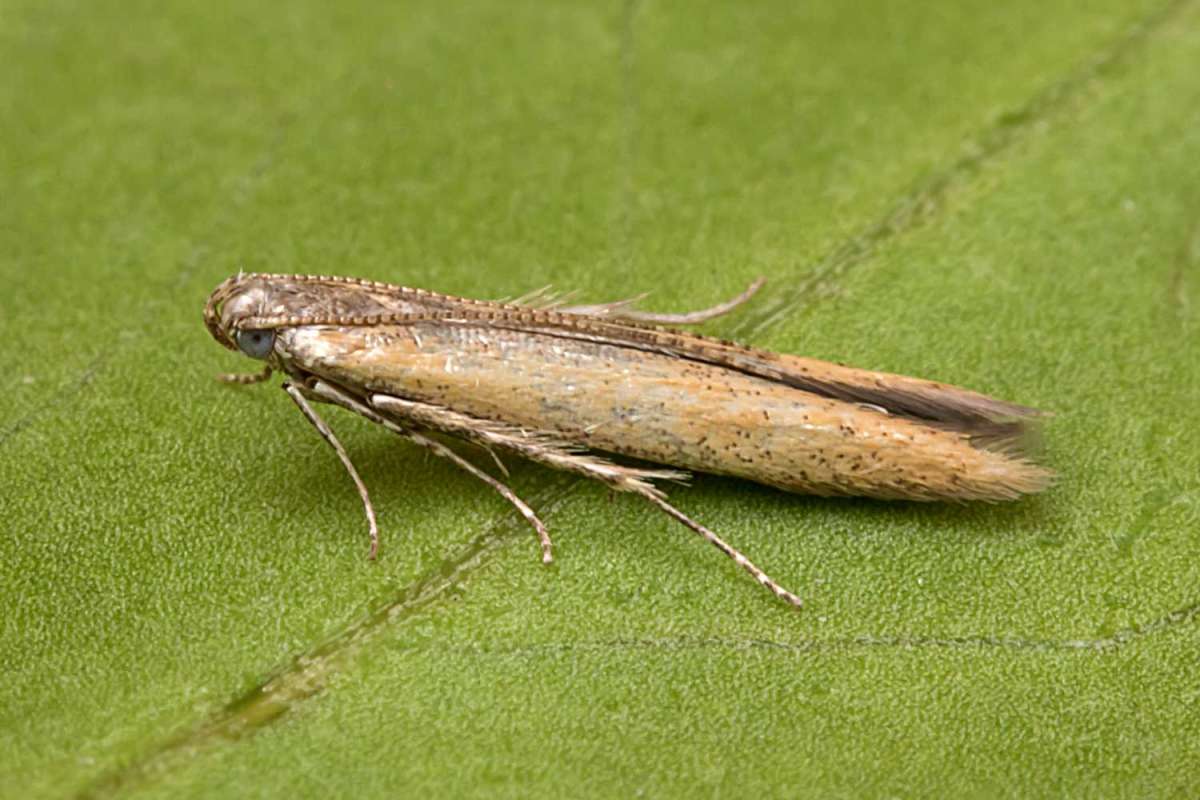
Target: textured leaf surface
1004,196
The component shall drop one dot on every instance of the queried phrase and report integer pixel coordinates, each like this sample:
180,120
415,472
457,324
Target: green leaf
1002,196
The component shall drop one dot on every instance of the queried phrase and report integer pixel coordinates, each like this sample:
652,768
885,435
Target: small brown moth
559,384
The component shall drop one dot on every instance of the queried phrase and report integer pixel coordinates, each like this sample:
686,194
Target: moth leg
499,464
538,446
508,494
329,394
245,377
546,450
728,549
311,415
620,309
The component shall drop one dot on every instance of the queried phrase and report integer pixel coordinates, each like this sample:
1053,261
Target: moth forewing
559,386
663,408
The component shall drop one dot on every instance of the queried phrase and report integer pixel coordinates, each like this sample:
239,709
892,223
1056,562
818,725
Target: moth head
256,343
242,314
248,311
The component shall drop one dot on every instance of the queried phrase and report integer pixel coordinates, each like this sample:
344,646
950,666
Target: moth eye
256,344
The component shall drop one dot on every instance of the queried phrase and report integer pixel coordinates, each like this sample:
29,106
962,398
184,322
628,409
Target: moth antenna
611,310
726,548
619,309
556,300
327,433
526,298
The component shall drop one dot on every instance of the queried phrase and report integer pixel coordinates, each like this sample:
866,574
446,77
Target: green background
1000,195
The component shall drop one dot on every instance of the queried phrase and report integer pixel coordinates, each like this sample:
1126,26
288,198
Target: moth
572,386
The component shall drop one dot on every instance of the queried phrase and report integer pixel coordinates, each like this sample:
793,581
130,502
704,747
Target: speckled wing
677,399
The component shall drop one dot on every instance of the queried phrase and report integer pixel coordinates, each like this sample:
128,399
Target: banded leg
620,309
328,393
245,378
548,451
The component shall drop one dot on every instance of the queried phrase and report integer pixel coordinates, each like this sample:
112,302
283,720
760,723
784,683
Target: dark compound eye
256,344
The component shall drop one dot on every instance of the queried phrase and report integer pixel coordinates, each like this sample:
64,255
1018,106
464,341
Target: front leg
310,413
324,391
